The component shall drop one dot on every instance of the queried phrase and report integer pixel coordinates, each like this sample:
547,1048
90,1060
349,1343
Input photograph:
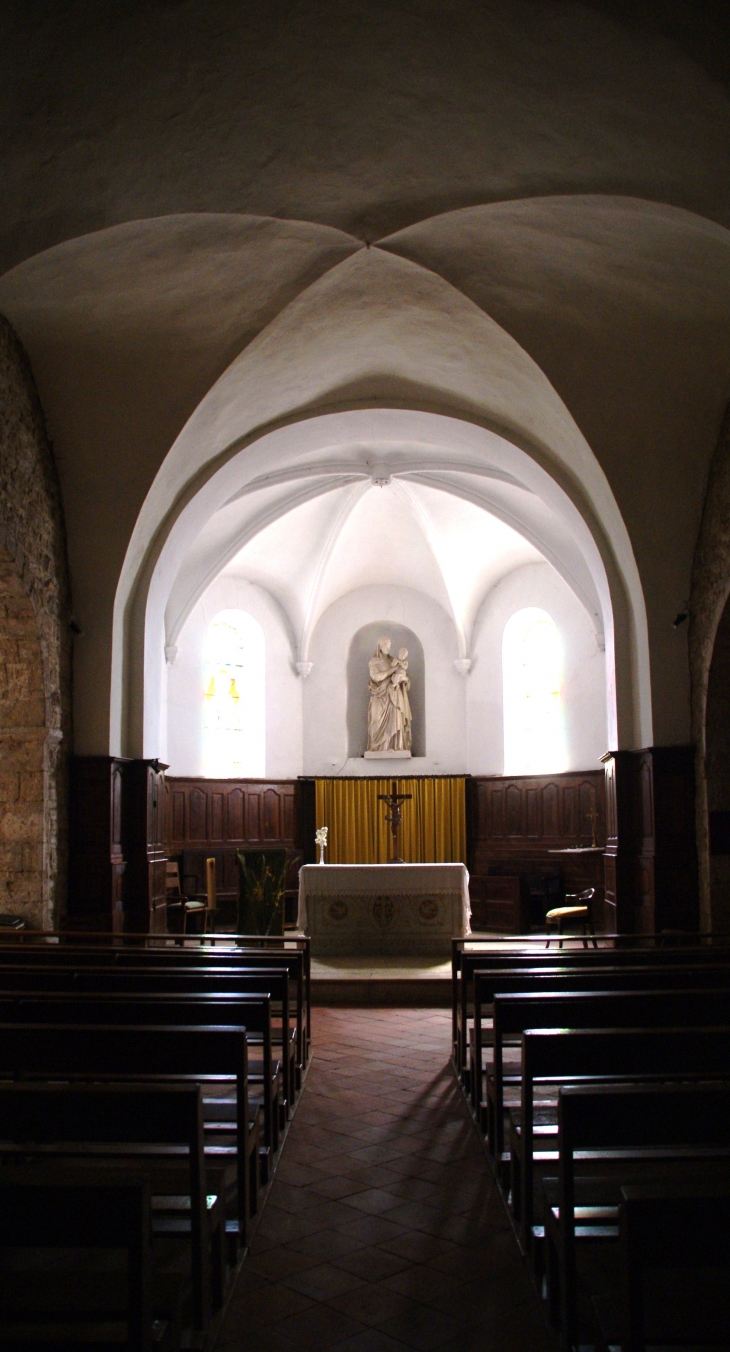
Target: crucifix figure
394,800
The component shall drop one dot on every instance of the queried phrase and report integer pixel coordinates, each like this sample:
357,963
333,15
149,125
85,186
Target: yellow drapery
433,829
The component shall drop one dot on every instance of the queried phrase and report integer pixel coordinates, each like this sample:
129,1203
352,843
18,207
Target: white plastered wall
584,670
325,691
185,682
306,721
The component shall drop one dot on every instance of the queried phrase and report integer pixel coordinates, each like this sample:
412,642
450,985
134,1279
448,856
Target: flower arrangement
261,884
320,839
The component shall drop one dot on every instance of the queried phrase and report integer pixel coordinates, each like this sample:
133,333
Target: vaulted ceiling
218,220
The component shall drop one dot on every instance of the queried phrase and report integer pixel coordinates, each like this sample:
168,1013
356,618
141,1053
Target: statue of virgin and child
389,711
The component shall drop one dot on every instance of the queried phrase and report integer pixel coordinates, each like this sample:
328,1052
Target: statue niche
389,709
360,650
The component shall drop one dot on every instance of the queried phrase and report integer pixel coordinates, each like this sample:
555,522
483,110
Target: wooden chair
196,906
579,913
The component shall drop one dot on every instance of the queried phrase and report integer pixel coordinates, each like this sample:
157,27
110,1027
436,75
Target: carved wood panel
537,812
209,818
516,824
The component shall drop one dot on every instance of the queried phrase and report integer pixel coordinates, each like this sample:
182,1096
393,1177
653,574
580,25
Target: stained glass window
234,690
532,672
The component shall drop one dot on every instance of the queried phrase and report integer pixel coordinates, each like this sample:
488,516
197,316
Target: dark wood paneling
96,859
143,837
213,818
513,827
651,852
496,905
117,854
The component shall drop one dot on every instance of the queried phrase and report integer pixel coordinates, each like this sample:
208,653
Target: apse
322,565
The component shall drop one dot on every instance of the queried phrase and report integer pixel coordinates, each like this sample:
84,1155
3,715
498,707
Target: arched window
532,669
234,738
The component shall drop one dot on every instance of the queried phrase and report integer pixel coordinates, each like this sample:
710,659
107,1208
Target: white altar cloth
368,909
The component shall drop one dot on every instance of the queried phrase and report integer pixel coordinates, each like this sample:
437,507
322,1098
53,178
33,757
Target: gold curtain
433,830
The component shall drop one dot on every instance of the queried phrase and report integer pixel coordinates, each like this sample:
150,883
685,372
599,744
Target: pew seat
671,1126
60,1229
674,1268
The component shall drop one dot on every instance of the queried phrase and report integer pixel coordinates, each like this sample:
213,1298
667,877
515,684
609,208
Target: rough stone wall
22,750
32,534
710,591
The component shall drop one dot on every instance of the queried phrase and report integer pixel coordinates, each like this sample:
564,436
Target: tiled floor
383,1231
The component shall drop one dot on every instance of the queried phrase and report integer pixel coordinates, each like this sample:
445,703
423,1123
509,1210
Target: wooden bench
467,960
488,985
55,1207
614,1124
249,1011
154,1122
514,1014
118,1053
678,1229
562,1056
184,986
246,950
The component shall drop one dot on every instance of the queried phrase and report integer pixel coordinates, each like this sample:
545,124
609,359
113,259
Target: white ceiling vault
387,513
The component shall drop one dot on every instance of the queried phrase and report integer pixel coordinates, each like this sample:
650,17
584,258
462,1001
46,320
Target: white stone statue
389,712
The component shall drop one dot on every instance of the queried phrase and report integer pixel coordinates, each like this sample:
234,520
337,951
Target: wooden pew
488,985
249,1011
466,962
54,1207
561,1056
228,961
679,1229
678,1122
136,1054
514,1014
43,1115
176,983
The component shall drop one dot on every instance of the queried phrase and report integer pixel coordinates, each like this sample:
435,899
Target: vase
321,854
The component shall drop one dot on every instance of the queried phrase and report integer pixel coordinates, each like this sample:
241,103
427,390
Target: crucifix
394,800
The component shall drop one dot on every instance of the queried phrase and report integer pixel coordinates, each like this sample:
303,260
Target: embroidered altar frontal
368,910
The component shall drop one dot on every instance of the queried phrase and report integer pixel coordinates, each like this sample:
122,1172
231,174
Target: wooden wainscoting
652,882
213,818
514,824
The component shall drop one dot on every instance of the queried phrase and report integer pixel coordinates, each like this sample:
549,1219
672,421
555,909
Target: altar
382,909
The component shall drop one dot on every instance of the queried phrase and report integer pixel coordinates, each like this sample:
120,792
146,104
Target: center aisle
383,1230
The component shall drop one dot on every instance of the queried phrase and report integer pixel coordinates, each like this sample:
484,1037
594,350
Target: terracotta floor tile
371,1229
422,1284
323,1282
422,1328
420,1247
293,1199
280,1262
272,1305
375,1201
256,1340
282,1226
338,1187
370,1340
383,1231
327,1244
319,1326
373,1304
372,1263
330,1215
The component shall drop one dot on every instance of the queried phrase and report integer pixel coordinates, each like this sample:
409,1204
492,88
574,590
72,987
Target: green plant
261,884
